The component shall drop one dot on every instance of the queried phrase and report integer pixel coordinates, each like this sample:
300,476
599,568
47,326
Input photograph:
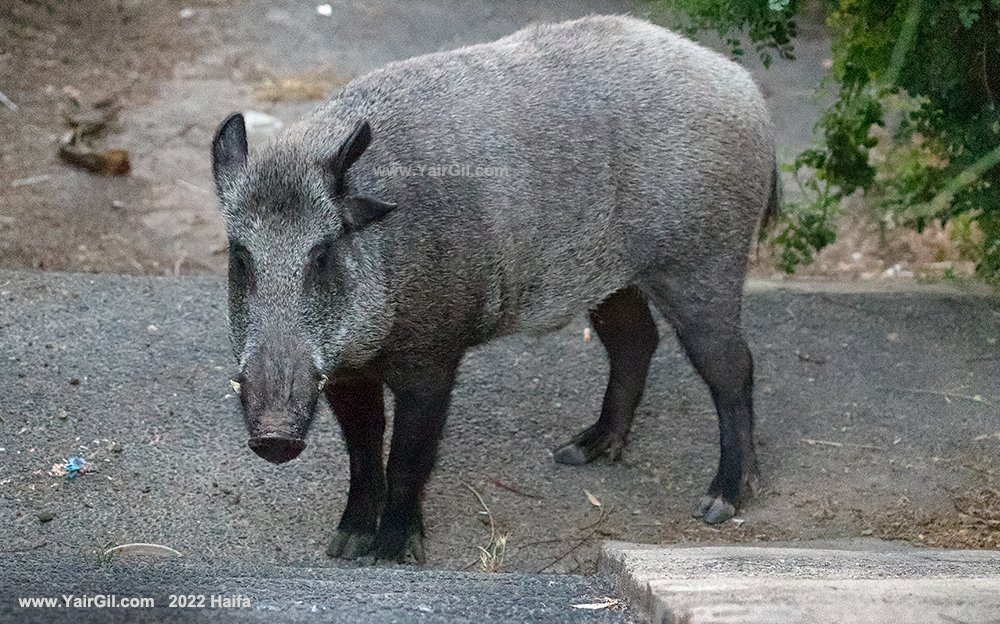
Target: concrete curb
711,585
876,287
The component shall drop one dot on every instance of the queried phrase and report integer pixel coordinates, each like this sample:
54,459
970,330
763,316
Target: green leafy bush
768,23
915,124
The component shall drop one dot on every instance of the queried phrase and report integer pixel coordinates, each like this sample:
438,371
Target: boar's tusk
322,381
236,385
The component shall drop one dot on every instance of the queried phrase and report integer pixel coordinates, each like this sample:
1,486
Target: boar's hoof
397,545
348,545
571,455
713,510
587,446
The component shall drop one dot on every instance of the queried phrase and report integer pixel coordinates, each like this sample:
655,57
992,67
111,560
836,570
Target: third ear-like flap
359,210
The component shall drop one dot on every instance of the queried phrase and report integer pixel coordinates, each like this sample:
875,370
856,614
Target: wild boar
597,165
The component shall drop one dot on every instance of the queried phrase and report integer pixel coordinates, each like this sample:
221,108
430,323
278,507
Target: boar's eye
319,261
319,257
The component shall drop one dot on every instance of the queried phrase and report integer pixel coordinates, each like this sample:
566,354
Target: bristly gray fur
630,151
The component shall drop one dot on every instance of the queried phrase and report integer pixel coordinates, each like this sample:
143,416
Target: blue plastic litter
74,466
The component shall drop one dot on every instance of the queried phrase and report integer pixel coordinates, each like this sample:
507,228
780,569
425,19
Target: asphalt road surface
866,401
233,593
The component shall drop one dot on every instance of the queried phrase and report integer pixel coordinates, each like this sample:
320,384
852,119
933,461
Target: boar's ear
229,149
350,151
357,211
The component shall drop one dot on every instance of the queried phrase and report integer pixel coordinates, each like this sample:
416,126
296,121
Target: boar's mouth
277,449
279,437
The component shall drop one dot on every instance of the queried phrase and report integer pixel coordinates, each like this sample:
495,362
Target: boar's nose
277,449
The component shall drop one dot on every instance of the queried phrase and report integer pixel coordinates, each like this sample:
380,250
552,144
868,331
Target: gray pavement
871,405
761,585
382,595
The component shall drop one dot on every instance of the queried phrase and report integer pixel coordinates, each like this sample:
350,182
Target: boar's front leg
422,398
359,407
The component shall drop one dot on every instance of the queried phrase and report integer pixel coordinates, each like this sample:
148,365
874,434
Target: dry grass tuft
298,88
491,557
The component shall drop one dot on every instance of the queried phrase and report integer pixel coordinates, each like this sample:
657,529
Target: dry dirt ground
177,67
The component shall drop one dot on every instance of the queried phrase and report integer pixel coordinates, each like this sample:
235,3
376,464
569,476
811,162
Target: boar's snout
277,449
278,389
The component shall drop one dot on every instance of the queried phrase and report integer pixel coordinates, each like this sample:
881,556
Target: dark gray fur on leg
627,330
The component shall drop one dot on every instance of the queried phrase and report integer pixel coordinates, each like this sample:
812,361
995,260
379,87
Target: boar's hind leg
625,326
422,400
708,327
358,406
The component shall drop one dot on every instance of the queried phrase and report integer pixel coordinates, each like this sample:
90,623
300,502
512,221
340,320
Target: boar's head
307,291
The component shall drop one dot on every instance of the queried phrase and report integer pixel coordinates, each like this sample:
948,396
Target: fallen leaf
593,499
597,606
142,549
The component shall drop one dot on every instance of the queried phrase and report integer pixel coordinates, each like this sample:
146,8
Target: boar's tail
773,209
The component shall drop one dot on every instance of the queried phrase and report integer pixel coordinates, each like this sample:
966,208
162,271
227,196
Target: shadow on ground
871,407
